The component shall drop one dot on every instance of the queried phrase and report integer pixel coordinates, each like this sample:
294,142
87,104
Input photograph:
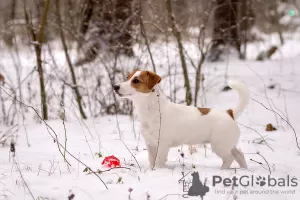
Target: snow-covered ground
41,169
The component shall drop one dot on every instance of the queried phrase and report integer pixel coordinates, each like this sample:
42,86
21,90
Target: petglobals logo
252,180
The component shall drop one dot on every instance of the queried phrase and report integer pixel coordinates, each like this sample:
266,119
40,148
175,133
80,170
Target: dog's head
138,83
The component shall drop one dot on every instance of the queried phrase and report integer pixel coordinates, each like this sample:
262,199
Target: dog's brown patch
145,82
230,113
204,111
131,74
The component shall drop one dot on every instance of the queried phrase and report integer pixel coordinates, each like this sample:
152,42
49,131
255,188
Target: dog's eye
135,81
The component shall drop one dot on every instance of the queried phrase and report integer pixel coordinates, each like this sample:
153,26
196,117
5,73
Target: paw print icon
261,181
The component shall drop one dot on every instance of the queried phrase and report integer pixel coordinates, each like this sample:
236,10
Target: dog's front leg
157,159
151,154
162,156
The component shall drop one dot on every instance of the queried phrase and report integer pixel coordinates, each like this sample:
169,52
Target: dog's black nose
116,87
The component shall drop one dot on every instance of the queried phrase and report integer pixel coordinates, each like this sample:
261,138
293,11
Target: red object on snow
111,161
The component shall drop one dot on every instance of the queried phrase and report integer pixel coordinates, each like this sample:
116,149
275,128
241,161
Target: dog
165,124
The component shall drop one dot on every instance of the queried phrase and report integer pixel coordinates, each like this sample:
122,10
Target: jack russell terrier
165,124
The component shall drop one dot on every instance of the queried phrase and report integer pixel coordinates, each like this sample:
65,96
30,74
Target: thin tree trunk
188,94
42,82
280,35
111,26
63,41
38,40
87,12
38,46
225,28
13,9
198,78
144,34
8,37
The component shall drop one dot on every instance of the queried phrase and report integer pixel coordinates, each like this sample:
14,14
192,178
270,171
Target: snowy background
41,167
61,158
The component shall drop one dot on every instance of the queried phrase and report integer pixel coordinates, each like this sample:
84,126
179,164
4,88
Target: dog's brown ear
153,79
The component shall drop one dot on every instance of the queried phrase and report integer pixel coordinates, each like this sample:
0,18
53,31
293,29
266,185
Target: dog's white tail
243,97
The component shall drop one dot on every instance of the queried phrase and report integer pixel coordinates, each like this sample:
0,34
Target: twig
132,155
262,165
53,137
65,130
296,137
101,171
159,130
258,153
165,197
263,139
19,170
265,91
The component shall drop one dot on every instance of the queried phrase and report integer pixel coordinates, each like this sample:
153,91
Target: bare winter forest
100,41
59,60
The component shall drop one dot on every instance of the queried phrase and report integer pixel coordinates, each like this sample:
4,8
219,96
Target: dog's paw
158,166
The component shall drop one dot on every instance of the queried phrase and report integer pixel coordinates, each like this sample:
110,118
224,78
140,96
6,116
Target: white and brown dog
165,124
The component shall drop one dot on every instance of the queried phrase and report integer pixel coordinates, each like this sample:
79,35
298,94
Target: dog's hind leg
225,136
239,157
227,161
224,153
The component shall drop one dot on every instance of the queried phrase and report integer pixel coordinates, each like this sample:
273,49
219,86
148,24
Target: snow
47,176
